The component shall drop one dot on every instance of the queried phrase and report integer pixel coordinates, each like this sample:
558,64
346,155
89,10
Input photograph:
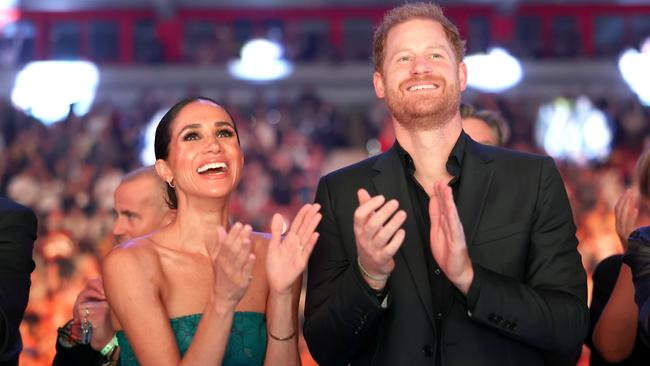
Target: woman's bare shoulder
138,254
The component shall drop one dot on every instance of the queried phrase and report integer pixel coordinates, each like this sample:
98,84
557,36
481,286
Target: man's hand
378,236
447,238
91,305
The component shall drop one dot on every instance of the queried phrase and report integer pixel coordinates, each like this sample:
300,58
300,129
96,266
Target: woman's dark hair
163,137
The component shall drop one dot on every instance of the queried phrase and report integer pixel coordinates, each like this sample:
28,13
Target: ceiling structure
167,5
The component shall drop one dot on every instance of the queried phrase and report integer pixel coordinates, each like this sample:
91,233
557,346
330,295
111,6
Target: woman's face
205,158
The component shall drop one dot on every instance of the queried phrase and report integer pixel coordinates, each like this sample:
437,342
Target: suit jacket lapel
391,182
475,179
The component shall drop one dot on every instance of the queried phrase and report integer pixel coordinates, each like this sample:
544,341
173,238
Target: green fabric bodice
246,343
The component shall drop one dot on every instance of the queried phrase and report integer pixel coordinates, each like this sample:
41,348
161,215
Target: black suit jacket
526,305
17,235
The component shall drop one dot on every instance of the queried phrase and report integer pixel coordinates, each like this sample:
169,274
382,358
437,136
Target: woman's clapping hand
287,256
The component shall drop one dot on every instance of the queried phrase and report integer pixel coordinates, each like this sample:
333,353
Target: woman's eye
191,136
225,133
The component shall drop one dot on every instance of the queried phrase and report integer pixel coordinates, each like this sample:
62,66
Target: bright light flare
46,89
495,71
148,153
635,69
261,60
574,131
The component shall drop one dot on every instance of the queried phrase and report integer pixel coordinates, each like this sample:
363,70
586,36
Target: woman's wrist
221,307
285,295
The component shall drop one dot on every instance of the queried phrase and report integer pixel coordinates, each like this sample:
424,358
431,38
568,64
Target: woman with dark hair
203,290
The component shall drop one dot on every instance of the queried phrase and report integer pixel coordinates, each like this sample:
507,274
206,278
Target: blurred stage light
8,13
635,69
261,60
148,153
46,89
493,72
574,130
8,4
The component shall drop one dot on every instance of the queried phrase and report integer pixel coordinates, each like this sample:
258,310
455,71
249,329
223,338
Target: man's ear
378,82
163,170
462,75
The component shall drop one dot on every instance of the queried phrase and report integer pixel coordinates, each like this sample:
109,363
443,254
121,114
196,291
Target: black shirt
441,287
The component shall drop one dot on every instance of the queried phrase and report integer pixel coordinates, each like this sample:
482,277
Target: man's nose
421,65
119,227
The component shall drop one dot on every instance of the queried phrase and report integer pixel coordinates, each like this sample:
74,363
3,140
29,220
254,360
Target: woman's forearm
615,332
209,343
282,329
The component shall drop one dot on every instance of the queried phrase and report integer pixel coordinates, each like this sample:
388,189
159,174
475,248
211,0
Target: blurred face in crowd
421,79
140,208
204,158
480,131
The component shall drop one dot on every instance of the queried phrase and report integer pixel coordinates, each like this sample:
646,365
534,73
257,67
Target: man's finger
388,230
363,212
363,196
395,243
377,219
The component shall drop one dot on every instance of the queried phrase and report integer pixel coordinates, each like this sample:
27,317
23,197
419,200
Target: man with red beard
442,251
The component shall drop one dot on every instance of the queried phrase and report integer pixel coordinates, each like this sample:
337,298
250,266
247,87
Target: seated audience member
17,235
483,126
140,208
614,335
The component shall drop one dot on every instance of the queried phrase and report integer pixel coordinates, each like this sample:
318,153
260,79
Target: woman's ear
163,170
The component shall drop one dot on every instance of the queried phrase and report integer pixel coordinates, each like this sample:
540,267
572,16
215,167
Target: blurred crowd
67,173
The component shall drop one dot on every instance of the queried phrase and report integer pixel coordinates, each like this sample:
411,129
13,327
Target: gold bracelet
281,339
367,274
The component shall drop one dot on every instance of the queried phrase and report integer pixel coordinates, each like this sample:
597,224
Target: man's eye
403,58
191,136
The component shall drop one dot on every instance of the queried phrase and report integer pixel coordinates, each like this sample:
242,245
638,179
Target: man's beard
421,113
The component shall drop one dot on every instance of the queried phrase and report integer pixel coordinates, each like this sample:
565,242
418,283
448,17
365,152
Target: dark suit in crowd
17,235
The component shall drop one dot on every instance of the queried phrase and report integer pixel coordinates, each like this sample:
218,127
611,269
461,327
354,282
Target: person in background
140,208
484,126
17,235
614,337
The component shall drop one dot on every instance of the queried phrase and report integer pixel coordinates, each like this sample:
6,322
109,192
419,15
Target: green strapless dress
246,343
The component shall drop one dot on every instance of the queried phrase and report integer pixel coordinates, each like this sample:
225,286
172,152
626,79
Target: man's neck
430,150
